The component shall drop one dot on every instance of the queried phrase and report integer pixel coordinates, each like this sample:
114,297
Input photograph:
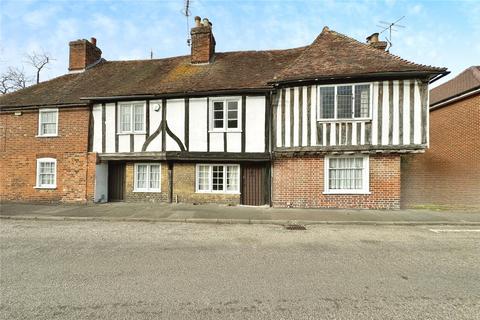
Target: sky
438,33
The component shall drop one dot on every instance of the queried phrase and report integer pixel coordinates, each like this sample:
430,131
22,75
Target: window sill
340,192
129,133
46,188
219,192
47,136
227,131
147,191
345,120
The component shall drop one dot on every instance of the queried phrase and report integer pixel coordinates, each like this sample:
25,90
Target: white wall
255,124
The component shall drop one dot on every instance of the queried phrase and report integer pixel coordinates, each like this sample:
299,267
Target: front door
116,181
255,184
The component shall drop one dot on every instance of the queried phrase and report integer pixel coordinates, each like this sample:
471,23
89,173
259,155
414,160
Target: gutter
34,107
363,76
256,91
455,98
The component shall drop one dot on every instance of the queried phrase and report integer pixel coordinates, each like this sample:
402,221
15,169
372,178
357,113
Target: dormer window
344,102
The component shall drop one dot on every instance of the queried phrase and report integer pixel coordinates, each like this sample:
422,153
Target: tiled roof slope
466,81
334,54
229,71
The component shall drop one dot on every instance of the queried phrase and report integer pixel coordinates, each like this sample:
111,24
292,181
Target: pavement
53,270
213,213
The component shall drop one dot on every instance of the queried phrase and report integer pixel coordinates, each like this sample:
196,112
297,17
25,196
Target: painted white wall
101,183
255,124
216,142
123,143
176,122
110,133
155,119
97,127
234,141
198,128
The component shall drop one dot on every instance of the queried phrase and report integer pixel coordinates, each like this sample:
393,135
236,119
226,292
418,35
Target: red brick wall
299,182
20,149
448,173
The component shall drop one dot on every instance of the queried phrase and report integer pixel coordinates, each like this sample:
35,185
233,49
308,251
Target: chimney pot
93,41
372,38
198,21
206,23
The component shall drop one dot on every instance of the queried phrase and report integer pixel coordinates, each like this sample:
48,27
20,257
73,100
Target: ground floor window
219,178
346,174
46,173
147,177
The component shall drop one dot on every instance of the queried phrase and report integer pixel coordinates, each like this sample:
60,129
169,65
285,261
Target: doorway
116,181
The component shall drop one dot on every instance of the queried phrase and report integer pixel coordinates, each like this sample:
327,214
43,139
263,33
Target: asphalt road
116,270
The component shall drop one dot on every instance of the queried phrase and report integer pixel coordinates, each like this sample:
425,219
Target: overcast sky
439,33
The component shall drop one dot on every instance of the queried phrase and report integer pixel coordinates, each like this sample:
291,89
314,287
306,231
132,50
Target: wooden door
255,184
116,181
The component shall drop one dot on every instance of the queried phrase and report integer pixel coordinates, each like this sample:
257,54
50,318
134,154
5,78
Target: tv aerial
186,12
391,27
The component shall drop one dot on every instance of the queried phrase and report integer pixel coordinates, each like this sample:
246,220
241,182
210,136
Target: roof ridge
326,29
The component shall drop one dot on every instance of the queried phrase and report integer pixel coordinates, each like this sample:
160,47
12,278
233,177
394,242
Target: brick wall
448,173
20,148
184,187
299,182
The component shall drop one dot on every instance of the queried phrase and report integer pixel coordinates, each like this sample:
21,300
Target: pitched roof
333,54
230,71
466,81
330,55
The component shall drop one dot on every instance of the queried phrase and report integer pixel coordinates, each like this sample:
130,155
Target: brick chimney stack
374,42
83,53
203,41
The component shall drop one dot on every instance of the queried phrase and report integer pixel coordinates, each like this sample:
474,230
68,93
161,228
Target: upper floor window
225,115
46,173
344,102
131,118
48,122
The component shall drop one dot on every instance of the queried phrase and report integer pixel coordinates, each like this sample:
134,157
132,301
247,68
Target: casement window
46,173
347,174
131,118
344,102
48,122
225,115
218,178
147,177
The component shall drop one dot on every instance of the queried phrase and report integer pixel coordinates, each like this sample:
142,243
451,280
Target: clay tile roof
229,71
466,81
334,54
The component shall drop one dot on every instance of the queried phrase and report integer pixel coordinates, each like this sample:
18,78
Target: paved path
238,214
117,270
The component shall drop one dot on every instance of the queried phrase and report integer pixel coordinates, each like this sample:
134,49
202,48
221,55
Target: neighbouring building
323,125
448,173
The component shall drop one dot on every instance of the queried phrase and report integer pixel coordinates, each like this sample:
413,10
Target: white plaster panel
216,141
97,127
110,118
176,122
255,124
234,141
198,125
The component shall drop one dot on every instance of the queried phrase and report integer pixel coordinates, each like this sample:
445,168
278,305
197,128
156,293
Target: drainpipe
170,182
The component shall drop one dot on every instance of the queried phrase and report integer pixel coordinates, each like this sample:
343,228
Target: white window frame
147,189
365,176
132,118
210,182
353,118
46,186
44,110
225,101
